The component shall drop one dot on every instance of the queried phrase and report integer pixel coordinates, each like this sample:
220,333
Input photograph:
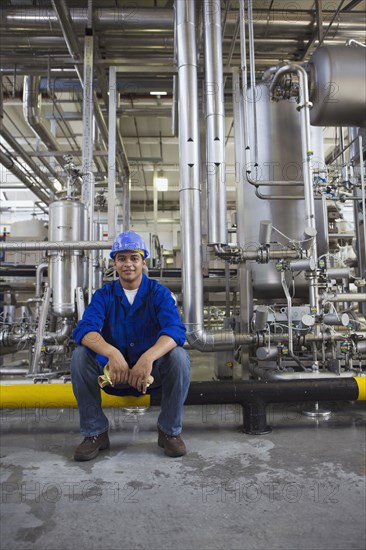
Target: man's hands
136,377
119,372
139,374
118,368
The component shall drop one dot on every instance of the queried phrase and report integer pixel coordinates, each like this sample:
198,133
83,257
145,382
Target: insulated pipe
8,163
252,75
87,145
162,19
56,245
65,21
112,128
31,109
253,396
190,188
215,124
26,158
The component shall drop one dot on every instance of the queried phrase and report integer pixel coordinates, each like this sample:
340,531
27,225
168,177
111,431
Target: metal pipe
8,163
32,114
60,335
190,188
215,124
345,297
112,127
87,146
274,374
289,320
91,237
26,158
41,268
252,75
363,199
306,150
55,245
65,21
34,366
148,19
174,108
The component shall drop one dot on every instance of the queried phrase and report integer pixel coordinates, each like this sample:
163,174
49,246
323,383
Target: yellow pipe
361,383
57,395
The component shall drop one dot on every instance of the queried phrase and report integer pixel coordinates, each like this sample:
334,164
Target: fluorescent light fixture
161,184
158,93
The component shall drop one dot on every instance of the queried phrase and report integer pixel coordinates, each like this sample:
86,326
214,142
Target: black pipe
254,396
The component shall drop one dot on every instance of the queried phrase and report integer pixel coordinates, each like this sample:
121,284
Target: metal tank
338,86
67,222
29,229
279,159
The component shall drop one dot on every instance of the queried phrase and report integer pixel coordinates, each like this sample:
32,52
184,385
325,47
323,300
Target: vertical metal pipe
363,200
1,98
239,156
87,149
252,76
352,135
112,129
189,149
126,201
175,108
92,253
190,189
244,83
215,123
244,274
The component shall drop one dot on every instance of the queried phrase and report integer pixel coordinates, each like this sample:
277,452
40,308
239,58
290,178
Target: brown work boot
90,447
173,445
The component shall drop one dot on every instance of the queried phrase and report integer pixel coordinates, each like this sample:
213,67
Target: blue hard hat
129,240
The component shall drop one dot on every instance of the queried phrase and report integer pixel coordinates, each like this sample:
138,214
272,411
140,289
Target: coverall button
132,344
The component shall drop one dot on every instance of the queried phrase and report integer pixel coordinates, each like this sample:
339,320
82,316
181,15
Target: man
132,324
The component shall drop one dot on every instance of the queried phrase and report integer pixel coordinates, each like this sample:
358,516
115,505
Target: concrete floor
301,486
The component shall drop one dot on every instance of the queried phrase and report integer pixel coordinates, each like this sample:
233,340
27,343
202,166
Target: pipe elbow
60,335
203,341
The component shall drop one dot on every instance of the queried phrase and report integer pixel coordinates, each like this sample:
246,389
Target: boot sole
84,458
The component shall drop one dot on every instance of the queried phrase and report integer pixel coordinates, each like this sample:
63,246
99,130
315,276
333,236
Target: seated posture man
134,325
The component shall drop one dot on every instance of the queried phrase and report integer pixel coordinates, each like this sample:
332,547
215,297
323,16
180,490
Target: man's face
129,266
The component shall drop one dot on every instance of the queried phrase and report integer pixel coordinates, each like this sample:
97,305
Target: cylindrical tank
29,229
67,222
279,159
338,86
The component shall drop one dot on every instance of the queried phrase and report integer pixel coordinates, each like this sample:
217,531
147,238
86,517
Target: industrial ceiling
44,40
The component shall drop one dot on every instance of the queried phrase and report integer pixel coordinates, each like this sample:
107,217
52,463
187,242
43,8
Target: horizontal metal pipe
213,284
160,19
10,371
56,245
274,374
346,297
